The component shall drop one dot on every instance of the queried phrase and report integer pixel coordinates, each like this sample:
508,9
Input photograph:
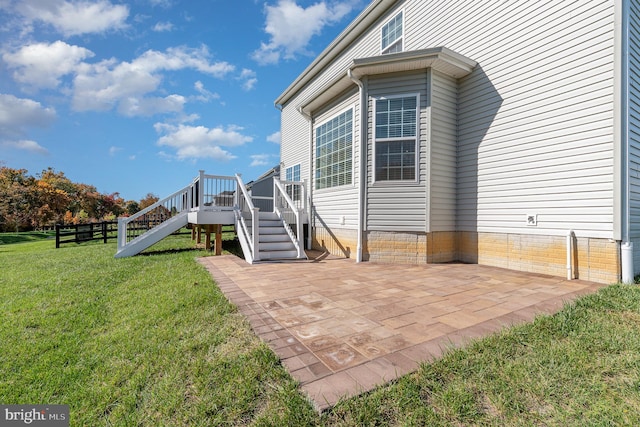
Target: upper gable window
392,35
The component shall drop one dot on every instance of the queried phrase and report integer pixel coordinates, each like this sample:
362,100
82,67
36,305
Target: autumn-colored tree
148,200
27,202
68,218
132,207
17,199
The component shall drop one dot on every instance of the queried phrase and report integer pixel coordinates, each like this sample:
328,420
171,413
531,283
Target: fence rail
79,233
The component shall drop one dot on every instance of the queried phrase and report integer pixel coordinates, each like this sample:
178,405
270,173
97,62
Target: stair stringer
154,235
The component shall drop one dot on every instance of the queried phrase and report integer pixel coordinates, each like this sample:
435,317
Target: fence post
57,236
104,231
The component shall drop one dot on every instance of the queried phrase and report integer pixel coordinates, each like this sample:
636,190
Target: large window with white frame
334,152
292,173
396,138
392,35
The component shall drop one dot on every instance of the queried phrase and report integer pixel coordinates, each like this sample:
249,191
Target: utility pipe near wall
310,186
570,236
626,245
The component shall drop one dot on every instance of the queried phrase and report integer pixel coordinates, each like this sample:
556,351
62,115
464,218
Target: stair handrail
123,222
297,239
251,239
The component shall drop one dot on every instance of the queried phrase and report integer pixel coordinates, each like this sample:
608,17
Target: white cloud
161,27
274,137
113,150
25,145
260,159
42,65
107,84
291,27
19,114
75,17
149,106
249,78
205,95
195,142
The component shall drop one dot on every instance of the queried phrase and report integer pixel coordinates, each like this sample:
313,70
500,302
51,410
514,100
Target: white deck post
201,190
122,233
255,232
299,233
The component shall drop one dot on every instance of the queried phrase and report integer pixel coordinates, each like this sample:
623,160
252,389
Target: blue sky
136,96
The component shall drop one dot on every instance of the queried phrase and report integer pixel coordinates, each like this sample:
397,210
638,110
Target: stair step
277,246
271,255
273,230
270,223
269,216
274,238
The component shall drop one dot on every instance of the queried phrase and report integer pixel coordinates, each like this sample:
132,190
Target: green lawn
150,340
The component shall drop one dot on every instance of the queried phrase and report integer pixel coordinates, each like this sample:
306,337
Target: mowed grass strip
147,340
580,367
150,340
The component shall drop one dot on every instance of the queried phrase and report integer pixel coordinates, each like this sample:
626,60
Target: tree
148,200
131,207
18,199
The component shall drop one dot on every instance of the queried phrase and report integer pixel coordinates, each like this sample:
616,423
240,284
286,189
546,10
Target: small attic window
392,35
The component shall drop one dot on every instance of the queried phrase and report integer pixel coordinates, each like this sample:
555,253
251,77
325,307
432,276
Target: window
392,35
396,131
334,152
293,174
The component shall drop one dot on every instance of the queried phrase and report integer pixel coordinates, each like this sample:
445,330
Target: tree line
39,202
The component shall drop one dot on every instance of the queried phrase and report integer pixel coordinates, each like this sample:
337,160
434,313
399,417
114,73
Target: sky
136,97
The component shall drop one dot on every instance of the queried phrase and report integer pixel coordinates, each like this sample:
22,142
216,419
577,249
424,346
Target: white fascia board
438,58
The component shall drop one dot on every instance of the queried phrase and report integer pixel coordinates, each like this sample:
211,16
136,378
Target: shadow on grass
30,236
169,251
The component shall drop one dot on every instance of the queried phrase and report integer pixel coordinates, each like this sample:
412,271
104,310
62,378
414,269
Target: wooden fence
77,233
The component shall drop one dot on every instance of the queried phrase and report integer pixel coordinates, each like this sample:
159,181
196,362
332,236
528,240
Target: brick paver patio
342,328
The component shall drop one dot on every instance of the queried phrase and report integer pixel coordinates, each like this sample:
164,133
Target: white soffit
440,58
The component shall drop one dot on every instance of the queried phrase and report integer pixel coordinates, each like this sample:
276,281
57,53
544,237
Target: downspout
626,246
310,181
362,180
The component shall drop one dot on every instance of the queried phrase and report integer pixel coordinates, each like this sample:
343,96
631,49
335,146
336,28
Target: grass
150,340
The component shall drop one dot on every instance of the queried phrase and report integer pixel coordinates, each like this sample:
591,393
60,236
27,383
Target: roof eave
438,58
366,18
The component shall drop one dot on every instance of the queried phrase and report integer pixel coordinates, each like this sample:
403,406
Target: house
498,133
261,189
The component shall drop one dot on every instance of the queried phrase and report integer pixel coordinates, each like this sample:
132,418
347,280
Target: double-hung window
396,138
334,152
392,35
293,174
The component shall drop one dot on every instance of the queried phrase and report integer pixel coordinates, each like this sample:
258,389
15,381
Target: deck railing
247,222
206,192
291,210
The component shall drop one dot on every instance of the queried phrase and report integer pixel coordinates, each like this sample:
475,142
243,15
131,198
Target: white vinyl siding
295,140
443,148
634,128
535,118
394,205
535,124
